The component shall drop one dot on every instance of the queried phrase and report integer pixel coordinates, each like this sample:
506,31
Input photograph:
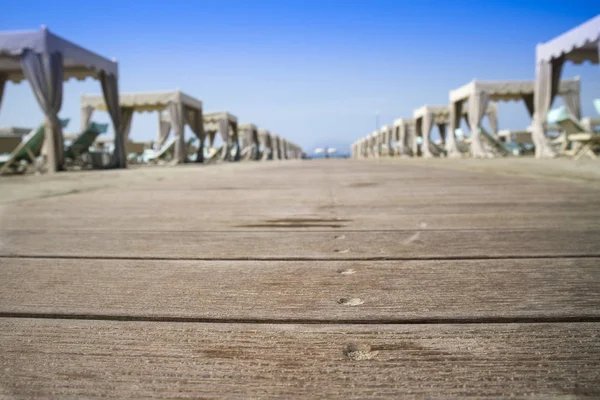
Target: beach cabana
227,126
580,44
266,144
249,141
403,137
181,109
425,118
478,95
45,60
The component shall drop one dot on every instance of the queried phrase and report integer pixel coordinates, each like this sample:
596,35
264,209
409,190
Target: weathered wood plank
93,359
357,218
300,291
274,240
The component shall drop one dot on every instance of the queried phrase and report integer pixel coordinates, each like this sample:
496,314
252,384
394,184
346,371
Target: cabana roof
264,132
403,121
218,116
143,101
507,90
247,126
78,62
577,45
437,111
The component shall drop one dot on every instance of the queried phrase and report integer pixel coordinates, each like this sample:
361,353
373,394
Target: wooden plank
304,291
285,240
104,359
357,218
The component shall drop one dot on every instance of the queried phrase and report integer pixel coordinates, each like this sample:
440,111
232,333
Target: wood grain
300,291
93,359
281,243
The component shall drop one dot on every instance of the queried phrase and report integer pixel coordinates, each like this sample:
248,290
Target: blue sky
315,72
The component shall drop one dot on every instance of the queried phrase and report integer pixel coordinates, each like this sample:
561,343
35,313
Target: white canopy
577,45
182,109
227,125
46,60
78,62
479,94
145,101
427,116
507,90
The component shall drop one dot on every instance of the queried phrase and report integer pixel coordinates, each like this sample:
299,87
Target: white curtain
164,129
478,103
547,79
450,145
493,119
235,139
177,123
2,84
418,130
224,131
126,119
110,91
45,75
399,139
195,121
426,131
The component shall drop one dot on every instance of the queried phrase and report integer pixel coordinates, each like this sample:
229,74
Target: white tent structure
403,137
577,45
479,94
249,140
46,60
181,109
428,116
227,125
266,144
425,118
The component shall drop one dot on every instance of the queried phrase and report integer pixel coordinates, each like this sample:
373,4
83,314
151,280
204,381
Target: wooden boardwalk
339,279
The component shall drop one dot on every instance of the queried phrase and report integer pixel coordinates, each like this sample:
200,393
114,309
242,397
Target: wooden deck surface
297,279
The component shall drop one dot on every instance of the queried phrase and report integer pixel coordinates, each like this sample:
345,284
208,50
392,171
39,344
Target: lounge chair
577,140
27,151
165,150
82,143
215,156
496,145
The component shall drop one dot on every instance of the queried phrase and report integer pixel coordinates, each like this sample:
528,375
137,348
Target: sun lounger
27,151
165,150
82,143
496,145
577,140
